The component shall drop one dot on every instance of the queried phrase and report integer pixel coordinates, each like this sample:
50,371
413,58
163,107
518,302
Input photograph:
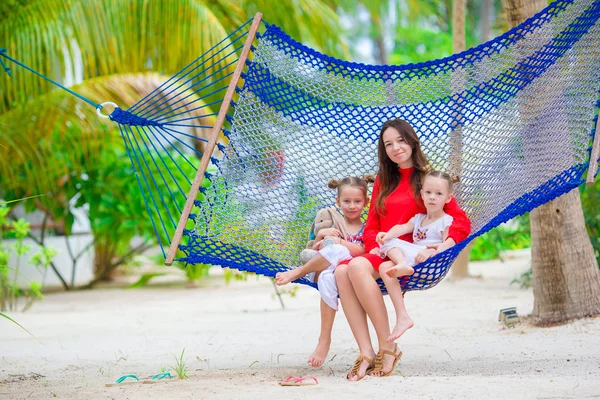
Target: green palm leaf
72,40
57,135
19,325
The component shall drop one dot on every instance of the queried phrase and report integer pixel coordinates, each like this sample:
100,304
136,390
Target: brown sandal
379,361
356,367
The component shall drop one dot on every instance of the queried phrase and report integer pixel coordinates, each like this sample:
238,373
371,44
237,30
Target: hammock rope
517,110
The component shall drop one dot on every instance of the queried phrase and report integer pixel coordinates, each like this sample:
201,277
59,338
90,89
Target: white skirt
335,254
410,250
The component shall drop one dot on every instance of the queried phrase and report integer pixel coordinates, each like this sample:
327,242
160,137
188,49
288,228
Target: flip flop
298,381
121,380
155,379
158,377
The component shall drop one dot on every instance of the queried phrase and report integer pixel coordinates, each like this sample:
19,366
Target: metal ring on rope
106,103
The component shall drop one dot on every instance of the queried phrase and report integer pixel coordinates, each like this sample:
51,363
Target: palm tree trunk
379,52
460,268
565,275
486,18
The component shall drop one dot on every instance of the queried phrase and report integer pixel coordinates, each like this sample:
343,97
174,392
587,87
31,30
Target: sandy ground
239,342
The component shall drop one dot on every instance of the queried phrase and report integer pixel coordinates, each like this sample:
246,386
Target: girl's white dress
422,236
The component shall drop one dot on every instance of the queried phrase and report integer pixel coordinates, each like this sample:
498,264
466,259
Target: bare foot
402,325
317,358
399,270
283,278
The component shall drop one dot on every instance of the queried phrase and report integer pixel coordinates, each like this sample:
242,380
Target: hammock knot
221,147
198,203
123,117
214,160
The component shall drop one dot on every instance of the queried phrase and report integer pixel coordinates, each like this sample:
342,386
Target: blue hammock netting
514,117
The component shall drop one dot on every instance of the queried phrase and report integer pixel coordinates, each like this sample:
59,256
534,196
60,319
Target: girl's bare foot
283,278
317,358
402,325
399,270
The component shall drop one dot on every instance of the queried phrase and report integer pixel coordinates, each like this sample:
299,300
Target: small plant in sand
180,367
10,290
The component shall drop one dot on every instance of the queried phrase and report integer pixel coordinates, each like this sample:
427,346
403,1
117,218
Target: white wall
84,272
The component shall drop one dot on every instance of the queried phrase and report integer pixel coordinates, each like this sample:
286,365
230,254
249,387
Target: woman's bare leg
357,319
403,320
317,358
363,278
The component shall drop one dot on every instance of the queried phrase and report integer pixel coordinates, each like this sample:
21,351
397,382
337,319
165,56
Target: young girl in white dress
427,229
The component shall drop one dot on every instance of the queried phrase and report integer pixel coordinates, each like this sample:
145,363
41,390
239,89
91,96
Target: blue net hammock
514,117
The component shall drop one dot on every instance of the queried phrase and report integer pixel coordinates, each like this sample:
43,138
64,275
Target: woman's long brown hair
389,175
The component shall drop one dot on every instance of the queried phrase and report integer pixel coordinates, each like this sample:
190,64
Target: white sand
239,343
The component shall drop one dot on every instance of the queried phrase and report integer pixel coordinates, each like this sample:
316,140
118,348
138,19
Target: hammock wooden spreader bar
214,135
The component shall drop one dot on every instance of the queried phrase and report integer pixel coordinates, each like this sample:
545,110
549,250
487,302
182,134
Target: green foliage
512,235
231,274
195,272
415,44
524,281
144,279
10,291
18,324
590,201
117,210
180,367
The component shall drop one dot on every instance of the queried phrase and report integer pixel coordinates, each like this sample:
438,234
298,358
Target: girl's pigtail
333,184
369,178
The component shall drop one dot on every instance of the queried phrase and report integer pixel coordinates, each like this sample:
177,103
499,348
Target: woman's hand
424,255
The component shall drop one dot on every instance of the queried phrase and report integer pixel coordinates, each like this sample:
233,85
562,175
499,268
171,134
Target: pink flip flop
298,381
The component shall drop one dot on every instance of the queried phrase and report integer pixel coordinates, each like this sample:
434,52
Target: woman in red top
402,165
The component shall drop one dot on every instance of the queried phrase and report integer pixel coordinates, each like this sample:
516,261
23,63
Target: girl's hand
330,232
376,251
328,240
439,247
380,238
424,255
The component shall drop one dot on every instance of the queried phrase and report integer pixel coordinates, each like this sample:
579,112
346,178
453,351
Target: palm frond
57,135
313,22
70,40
